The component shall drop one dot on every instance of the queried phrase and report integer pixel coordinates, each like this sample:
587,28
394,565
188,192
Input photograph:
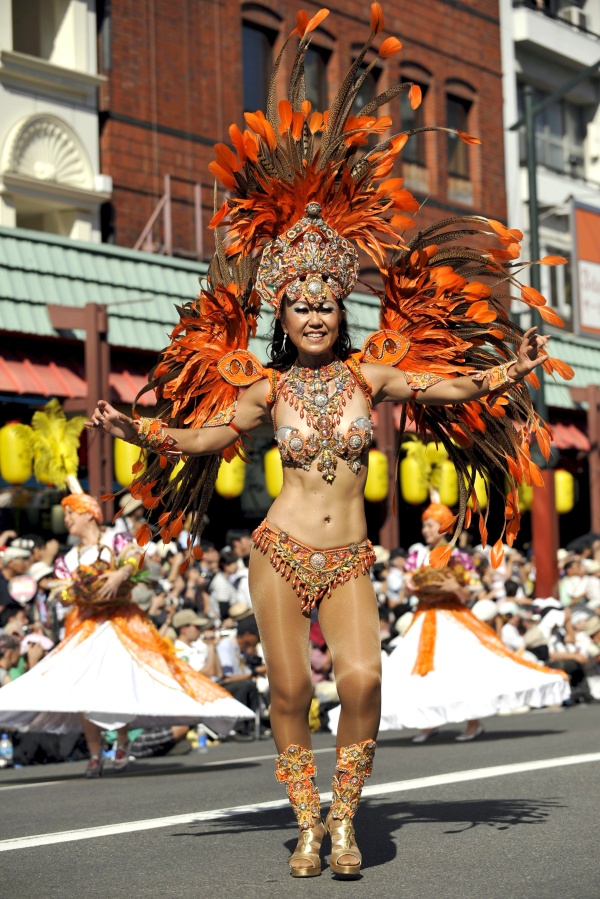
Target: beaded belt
313,572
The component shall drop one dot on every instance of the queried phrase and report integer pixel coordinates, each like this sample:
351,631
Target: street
513,815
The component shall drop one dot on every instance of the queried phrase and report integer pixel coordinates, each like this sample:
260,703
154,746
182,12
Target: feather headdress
296,171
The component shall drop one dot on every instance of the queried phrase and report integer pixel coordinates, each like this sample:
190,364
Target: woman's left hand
111,581
532,352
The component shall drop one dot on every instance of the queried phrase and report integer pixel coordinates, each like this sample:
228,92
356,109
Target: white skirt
468,680
114,683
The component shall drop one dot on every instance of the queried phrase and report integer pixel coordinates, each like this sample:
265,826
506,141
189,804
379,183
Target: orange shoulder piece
387,347
241,368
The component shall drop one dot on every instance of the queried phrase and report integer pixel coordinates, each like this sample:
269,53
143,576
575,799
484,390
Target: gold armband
151,436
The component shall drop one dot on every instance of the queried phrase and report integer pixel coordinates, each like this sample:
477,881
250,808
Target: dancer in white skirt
450,667
112,670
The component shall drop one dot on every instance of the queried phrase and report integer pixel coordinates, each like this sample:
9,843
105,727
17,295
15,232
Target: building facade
178,72
50,175
553,47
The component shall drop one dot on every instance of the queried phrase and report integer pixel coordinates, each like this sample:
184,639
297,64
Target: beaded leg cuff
296,768
354,764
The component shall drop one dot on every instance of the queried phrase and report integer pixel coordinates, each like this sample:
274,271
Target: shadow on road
444,737
379,823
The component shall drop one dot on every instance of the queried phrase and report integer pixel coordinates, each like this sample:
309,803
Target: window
258,62
315,77
368,89
560,131
457,117
414,149
104,25
559,284
44,28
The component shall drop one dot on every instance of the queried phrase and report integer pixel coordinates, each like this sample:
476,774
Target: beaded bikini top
308,390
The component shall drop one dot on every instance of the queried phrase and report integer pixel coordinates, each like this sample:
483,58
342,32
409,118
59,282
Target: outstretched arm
391,383
251,411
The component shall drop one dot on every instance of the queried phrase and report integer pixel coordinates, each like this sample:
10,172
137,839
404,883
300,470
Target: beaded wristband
151,436
498,376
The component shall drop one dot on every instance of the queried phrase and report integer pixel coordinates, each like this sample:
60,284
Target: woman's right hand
115,423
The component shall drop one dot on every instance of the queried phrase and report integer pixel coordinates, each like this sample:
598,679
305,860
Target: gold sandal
343,846
308,849
354,764
296,768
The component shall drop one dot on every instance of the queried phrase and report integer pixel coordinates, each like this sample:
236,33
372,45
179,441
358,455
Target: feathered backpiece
305,186
53,441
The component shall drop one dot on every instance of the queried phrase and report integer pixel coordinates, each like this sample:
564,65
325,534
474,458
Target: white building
50,176
545,43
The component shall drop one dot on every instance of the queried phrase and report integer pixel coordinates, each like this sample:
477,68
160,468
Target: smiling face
77,523
313,327
430,528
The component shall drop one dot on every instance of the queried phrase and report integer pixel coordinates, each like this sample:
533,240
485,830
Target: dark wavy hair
282,353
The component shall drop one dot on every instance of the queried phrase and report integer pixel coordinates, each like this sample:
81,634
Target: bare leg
91,733
284,639
350,625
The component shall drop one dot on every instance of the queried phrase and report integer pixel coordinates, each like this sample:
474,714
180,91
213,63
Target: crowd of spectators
207,614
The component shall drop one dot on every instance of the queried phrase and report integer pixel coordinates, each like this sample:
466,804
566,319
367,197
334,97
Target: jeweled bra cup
307,391
313,572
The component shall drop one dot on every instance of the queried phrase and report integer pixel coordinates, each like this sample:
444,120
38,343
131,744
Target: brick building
180,71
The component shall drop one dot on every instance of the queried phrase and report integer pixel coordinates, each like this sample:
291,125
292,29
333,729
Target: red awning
128,384
44,377
569,437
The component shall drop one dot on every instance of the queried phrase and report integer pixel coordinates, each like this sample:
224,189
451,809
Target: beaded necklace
307,390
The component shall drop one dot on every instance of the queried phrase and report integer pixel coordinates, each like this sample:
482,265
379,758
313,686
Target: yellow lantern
231,477
273,472
413,485
376,485
564,491
126,455
480,491
436,454
16,460
525,497
448,483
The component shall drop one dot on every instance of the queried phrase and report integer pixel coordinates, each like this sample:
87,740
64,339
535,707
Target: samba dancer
300,200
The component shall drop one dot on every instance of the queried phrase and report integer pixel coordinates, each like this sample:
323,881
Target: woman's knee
291,699
359,686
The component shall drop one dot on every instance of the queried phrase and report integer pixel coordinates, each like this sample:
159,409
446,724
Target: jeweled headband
304,260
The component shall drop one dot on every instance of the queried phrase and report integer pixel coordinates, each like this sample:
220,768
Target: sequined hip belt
313,572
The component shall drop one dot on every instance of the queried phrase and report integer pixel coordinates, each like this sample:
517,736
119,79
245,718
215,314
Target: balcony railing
569,13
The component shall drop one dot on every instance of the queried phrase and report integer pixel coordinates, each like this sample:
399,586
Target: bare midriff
321,515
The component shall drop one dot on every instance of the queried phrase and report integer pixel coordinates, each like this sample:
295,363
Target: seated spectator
42,610
14,562
9,656
228,595
241,667
395,582
240,542
196,643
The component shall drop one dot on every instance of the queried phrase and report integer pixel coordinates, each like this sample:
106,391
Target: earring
284,346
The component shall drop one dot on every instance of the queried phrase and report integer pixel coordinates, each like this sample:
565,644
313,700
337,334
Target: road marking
40,783
223,761
258,758
400,786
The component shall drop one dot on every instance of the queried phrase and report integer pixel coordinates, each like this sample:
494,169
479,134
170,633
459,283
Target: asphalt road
513,815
